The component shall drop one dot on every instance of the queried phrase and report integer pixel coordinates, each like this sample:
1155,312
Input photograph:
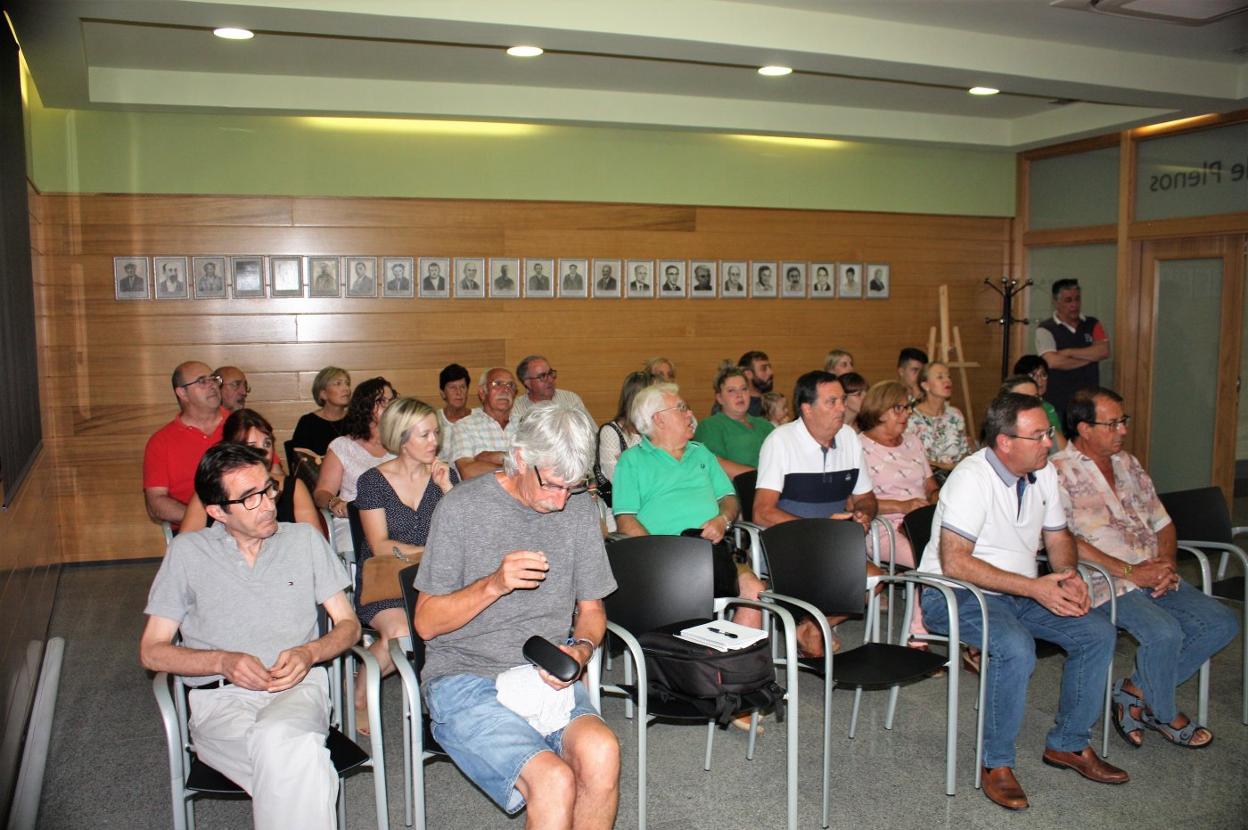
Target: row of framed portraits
246,277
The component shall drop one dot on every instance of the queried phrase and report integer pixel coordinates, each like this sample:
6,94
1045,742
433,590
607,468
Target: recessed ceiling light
983,90
525,51
231,33
774,71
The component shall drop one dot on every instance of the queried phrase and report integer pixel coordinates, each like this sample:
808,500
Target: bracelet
571,641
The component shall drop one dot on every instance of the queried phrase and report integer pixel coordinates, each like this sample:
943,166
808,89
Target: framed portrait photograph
397,276
247,276
794,279
703,279
823,280
606,276
734,275
130,277
640,276
361,276
762,279
208,277
539,280
573,279
171,282
470,277
849,280
672,278
286,276
878,281
504,277
435,276
323,276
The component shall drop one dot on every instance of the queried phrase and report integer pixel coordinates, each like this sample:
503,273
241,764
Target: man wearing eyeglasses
172,452
234,388
995,509
1119,523
244,595
533,565
481,439
539,381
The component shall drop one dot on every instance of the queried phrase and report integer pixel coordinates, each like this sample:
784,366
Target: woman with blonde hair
396,500
661,370
838,362
938,423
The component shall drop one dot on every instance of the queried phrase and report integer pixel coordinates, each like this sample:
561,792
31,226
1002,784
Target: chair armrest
1084,571
174,745
410,683
1206,573
758,555
876,524
615,536
639,660
372,686
1238,531
1234,550
593,677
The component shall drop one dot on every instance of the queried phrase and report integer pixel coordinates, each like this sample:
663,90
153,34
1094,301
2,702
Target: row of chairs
814,567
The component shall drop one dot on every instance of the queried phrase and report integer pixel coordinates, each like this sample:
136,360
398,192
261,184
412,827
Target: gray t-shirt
475,525
219,602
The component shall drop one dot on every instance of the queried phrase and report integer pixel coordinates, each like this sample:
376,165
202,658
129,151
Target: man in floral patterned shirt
1118,522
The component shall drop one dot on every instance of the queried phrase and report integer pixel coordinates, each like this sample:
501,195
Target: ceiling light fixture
232,33
525,51
983,90
775,71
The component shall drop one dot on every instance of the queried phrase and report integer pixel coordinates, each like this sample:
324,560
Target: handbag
603,483
380,576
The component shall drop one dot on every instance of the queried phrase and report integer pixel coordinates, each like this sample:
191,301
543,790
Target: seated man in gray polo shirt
243,593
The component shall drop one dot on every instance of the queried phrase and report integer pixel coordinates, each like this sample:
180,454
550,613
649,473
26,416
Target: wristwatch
1127,568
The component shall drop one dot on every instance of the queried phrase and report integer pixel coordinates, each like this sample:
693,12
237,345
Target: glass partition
1193,174
1073,190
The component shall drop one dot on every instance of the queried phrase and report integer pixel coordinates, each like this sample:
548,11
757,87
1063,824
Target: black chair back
1199,514
820,561
744,484
357,529
662,580
407,579
918,527
291,461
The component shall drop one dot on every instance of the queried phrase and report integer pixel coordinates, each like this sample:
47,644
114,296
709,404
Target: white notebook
723,635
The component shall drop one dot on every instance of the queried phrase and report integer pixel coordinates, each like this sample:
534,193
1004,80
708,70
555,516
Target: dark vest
1064,382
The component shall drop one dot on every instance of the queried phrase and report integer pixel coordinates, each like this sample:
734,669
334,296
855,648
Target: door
1186,403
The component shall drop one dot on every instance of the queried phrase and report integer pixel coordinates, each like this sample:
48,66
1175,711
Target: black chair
819,567
190,777
1203,524
302,464
746,531
745,484
664,580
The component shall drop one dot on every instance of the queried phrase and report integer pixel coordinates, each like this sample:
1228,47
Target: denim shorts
487,741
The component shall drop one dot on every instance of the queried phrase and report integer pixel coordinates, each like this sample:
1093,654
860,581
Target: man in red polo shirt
173,451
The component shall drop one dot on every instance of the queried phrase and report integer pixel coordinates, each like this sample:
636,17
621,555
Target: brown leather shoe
1002,788
1088,764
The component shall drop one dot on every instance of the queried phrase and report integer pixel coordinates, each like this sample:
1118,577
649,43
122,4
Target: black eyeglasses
574,490
549,374
1122,422
252,500
1048,433
202,379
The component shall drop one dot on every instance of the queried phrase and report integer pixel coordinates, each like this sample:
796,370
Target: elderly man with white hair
669,484
480,440
533,564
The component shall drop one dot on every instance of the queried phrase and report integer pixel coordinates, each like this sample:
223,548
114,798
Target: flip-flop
1124,722
1179,737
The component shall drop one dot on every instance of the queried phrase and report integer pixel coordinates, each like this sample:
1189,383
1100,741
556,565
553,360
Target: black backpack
604,483
720,684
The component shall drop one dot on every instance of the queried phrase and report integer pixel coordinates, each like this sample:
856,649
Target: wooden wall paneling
1190,226
107,365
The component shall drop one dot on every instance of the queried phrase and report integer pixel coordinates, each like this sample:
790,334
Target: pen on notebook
727,634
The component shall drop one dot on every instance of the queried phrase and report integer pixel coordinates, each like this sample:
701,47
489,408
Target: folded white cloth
522,691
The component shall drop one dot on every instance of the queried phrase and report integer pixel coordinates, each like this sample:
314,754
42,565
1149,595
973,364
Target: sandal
1126,724
970,660
1180,736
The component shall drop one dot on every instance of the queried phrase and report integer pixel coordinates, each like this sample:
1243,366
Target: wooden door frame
1230,249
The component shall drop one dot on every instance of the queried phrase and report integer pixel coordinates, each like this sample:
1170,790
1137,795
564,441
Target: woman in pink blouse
900,473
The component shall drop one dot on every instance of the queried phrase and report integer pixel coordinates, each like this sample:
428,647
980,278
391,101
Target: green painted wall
98,151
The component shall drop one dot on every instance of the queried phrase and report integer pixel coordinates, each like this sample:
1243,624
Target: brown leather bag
381,575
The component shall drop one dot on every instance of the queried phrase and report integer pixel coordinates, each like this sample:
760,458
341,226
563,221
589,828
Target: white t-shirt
980,503
813,481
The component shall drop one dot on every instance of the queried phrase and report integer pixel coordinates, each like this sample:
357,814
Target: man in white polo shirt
992,513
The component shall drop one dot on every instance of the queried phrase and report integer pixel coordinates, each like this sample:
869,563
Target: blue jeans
487,741
1014,624
1177,632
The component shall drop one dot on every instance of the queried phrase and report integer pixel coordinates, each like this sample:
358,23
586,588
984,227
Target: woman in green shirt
733,434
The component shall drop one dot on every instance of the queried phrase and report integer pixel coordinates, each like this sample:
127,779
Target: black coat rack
1009,289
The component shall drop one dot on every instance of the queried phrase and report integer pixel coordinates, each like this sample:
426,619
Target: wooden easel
959,362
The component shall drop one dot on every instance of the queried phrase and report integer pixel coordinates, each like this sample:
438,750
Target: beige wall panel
166,210
437,214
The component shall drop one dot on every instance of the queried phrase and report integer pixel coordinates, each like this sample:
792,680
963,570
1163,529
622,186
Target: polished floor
107,766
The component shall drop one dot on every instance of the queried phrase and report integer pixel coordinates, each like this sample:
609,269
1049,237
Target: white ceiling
870,69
